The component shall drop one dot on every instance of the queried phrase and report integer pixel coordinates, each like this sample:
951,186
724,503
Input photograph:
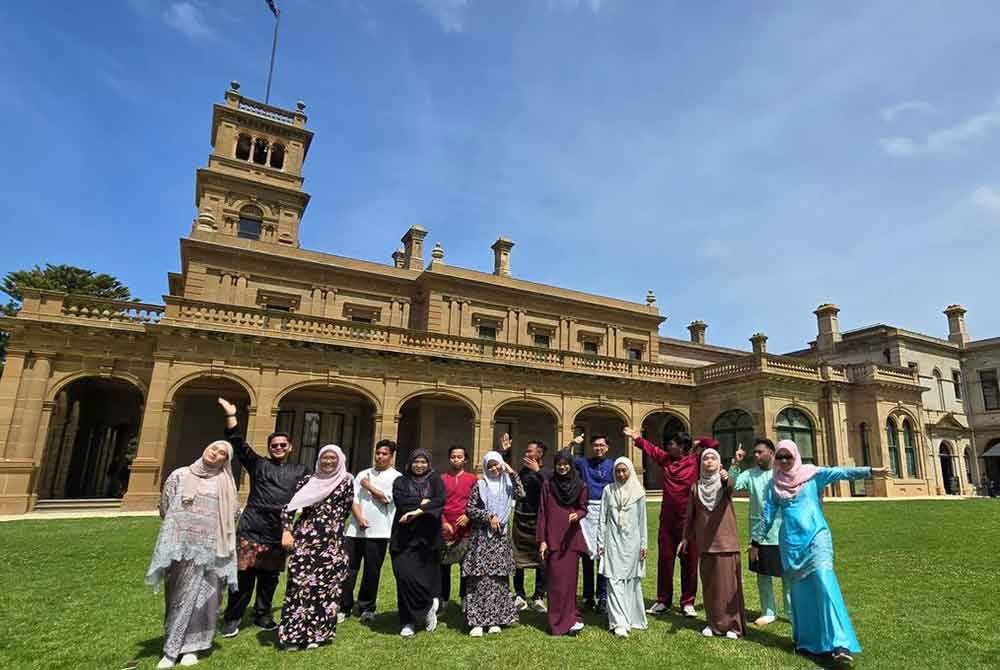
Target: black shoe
265,624
230,628
589,604
602,606
843,655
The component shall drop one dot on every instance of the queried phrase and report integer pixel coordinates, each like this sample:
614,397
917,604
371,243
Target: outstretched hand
882,472
577,440
227,407
505,443
630,432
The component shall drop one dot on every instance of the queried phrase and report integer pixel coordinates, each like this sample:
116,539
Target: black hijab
565,488
421,485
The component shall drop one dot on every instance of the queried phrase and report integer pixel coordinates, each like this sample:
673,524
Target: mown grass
921,580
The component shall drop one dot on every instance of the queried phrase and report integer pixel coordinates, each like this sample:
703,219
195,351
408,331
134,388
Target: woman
415,543
820,622
490,560
621,546
195,553
711,526
318,564
561,541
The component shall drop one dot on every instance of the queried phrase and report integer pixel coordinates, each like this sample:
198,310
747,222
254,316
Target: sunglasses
786,457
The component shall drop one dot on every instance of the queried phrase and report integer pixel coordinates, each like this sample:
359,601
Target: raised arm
826,476
475,508
247,456
515,480
657,455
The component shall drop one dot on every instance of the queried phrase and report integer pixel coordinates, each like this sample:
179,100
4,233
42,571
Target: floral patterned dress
317,568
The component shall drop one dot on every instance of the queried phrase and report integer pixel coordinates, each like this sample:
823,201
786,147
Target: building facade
100,400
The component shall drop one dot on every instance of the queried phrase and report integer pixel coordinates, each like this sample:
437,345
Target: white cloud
188,19
449,14
987,198
945,139
892,112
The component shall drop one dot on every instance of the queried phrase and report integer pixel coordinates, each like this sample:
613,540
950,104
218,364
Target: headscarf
319,486
628,494
421,484
496,492
788,484
707,443
222,475
565,488
709,483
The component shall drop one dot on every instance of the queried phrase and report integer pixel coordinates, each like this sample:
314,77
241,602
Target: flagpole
274,47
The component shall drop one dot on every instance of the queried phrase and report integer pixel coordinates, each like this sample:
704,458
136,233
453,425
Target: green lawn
920,579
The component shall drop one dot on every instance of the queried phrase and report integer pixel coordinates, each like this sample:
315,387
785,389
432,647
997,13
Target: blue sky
746,163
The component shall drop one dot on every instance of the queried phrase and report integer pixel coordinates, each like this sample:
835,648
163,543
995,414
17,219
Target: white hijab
628,494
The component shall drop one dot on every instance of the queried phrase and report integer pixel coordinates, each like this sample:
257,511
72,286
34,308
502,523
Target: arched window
795,425
909,447
250,220
260,151
277,156
892,438
968,464
243,143
940,388
732,429
866,452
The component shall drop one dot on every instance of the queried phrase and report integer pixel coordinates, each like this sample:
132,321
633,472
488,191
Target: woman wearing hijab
318,563
561,541
820,622
490,560
621,546
195,552
416,541
711,526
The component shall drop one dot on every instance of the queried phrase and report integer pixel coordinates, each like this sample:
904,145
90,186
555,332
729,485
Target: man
368,530
458,484
680,472
765,560
260,556
597,471
533,478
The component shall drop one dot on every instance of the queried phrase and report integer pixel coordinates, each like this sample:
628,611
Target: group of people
327,526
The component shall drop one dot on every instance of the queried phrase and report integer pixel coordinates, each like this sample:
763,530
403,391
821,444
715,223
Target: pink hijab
320,485
788,484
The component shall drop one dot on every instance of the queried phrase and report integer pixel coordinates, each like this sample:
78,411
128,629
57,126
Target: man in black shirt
533,477
259,552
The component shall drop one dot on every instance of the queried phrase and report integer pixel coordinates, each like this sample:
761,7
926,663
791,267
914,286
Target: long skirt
626,608
524,541
312,596
193,596
820,622
563,570
488,602
418,582
722,584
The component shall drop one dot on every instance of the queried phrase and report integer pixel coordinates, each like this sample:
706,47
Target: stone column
147,468
10,383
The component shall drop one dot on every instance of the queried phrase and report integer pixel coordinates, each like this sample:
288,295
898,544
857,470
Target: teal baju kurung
820,622
621,541
757,482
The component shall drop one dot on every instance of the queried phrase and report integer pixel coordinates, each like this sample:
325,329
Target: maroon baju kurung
678,477
562,563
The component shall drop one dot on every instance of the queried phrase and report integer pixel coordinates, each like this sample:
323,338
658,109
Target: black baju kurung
415,547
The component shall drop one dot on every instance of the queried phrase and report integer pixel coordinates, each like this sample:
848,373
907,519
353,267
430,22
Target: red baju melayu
457,489
678,477
562,563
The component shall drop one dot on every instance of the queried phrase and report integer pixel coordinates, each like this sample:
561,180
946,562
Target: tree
65,278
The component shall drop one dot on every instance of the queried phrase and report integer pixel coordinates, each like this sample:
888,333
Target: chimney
956,325
828,327
697,330
759,342
437,254
501,257
413,248
650,300
397,258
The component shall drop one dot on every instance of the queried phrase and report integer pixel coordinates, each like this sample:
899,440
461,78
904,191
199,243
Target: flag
272,7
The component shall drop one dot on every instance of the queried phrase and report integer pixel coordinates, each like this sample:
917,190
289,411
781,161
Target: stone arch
801,408
445,393
525,419
435,419
128,377
672,412
339,384
177,385
541,402
611,423
604,406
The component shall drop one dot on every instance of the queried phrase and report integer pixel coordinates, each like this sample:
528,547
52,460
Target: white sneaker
476,632
312,645
577,627
621,632
765,620
407,631
689,611
520,603
493,630
657,608
432,616
539,605
341,617
367,616
291,647
707,631
732,635
165,662
189,659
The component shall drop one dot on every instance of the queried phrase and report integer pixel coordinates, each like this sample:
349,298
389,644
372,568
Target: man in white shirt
366,537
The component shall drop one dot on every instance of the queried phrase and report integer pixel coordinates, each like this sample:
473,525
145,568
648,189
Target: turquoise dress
820,622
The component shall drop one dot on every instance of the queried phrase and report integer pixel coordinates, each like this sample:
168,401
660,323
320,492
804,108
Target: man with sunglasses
765,560
260,556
